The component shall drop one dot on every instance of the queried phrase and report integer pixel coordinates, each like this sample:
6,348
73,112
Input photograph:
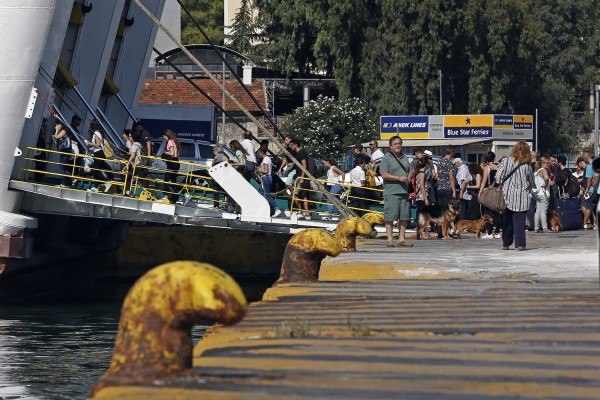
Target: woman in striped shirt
517,194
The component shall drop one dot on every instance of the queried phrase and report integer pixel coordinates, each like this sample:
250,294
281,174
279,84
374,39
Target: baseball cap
457,159
427,153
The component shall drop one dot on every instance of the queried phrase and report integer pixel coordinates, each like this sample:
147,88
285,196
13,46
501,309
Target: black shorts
303,192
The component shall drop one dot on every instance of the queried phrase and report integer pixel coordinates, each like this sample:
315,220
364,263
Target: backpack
64,144
572,186
108,150
105,145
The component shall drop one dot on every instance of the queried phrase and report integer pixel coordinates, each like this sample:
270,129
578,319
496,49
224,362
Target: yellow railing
145,181
368,202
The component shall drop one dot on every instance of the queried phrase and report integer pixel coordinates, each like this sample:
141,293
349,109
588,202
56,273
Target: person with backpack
63,144
100,168
566,182
145,138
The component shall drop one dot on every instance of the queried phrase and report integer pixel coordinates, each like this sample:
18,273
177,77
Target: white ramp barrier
254,206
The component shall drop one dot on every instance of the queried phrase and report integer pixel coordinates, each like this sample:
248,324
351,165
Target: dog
443,216
554,222
474,225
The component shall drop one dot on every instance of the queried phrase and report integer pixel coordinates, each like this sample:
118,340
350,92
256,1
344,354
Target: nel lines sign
515,127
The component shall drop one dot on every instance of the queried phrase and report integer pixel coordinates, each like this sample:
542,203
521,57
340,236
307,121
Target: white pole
536,129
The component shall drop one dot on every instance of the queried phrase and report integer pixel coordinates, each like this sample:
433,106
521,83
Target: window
206,151
187,150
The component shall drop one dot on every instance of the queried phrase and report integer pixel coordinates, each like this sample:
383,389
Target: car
193,151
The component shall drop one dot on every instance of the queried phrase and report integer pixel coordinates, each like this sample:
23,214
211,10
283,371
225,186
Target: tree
209,15
495,56
242,30
327,126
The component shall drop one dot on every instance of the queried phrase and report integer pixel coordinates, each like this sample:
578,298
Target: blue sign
523,125
416,127
470,132
503,120
197,130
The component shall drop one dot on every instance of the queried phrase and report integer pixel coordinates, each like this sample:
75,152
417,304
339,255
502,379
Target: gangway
106,199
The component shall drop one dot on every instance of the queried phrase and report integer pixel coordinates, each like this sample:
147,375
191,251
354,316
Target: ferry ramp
202,195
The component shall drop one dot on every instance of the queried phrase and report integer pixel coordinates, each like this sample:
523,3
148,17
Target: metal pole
536,129
441,106
596,111
112,128
116,140
125,107
223,113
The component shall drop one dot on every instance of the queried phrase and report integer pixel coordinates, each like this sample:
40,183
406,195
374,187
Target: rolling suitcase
569,212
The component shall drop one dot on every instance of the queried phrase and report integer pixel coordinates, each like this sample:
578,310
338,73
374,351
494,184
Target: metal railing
146,179
143,179
361,199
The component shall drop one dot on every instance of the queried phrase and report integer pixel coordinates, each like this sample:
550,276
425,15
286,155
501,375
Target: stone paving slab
570,254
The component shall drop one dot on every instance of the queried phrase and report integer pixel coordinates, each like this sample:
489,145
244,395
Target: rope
342,208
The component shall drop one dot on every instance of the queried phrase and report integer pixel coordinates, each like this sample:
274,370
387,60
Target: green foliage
327,126
209,15
242,30
495,56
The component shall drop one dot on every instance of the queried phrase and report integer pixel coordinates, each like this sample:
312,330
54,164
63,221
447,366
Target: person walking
335,176
446,185
394,168
171,156
514,172
542,195
358,195
265,170
489,175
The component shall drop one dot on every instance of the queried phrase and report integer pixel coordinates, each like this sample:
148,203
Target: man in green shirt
395,171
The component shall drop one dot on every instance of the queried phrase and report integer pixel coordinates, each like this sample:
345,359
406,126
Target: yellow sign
405,135
468,121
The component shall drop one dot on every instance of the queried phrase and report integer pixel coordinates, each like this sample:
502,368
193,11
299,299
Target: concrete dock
455,319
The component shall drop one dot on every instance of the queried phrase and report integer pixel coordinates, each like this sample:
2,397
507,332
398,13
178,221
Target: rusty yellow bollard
304,253
373,219
349,229
154,337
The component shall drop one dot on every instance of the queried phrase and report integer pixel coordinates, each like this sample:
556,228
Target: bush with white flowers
327,126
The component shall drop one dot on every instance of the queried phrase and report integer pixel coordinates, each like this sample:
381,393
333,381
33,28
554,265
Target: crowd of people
532,185
532,188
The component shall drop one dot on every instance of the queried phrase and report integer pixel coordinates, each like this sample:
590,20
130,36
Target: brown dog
443,216
554,222
474,226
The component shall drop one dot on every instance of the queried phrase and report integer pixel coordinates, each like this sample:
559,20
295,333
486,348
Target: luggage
569,212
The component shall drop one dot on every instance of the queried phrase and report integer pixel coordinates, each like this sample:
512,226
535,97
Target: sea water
56,351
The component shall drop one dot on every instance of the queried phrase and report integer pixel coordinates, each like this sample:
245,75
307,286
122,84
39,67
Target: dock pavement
457,319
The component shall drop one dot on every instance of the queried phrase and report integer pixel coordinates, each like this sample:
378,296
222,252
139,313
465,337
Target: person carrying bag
491,197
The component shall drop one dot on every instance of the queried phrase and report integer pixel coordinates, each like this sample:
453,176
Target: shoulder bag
492,197
412,194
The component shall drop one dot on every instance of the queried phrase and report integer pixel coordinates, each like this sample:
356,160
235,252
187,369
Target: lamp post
441,107
597,90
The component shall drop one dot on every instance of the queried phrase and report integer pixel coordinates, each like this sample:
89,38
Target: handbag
250,166
411,189
492,197
64,144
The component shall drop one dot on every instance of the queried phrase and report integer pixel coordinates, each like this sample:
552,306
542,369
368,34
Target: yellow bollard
154,337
